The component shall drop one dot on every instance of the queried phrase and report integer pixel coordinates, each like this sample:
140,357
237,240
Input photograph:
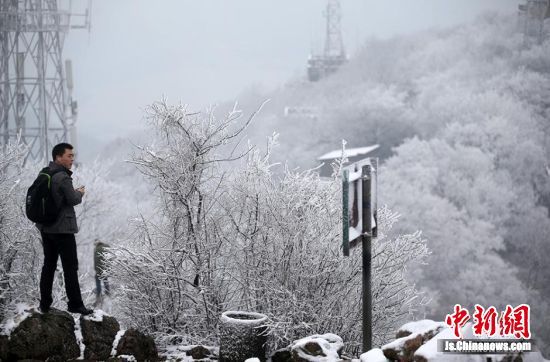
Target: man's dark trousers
63,245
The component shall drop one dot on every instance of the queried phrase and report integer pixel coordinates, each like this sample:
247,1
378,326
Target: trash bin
242,336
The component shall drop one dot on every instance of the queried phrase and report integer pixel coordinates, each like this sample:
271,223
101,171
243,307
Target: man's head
63,154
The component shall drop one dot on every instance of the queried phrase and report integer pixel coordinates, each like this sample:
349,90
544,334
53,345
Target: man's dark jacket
66,197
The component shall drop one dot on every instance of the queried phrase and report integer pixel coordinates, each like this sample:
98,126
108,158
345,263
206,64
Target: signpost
359,196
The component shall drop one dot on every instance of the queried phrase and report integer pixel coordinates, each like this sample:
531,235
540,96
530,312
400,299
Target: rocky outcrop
282,355
135,343
43,336
200,353
418,342
3,348
55,336
98,337
410,337
318,347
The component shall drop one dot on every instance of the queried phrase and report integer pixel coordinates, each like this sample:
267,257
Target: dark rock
98,337
417,358
406,353
412,345
512,358
199,352
44,336
314,349
324,346
137,344
311,348
401,334
56,359
411,342
281,355
3,348
391,353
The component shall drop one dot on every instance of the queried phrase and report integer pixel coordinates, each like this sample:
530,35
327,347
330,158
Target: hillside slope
462,115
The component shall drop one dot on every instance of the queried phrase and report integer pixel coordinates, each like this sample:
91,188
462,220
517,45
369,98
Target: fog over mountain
461,115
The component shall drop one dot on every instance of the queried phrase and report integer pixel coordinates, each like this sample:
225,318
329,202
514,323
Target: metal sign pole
345,215
360,224
367,257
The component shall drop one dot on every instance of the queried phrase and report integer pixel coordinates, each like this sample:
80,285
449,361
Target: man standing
58,238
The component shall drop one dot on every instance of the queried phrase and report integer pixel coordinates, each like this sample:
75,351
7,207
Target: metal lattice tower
533,14
334,54
334,44
35,89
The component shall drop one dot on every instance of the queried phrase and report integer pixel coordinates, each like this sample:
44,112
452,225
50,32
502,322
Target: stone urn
243,335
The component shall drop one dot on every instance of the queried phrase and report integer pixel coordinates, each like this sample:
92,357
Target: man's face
67,159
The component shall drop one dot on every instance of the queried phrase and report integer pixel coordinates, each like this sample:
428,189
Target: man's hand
82,190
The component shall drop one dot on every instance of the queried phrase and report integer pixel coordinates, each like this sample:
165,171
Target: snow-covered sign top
350,152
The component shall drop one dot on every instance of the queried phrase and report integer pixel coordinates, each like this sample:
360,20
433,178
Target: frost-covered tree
284,235
230,234
104,212
171,269
19,241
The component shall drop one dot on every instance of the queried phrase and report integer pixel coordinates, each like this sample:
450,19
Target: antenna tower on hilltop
334,54
35,86
533,15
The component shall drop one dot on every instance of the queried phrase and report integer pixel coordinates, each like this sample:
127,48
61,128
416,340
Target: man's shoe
81,310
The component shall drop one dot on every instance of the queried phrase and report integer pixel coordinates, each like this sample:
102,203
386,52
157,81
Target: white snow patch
374,355
399,343
115,342
429,349
174,353
416,329
331,355
252,360
251,317
179,353
354,176
349,152
22,311
335,341
79,338
128,357
96,316
422,326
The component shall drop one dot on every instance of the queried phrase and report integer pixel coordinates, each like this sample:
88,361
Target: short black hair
59,149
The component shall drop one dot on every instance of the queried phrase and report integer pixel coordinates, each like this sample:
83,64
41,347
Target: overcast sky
205,51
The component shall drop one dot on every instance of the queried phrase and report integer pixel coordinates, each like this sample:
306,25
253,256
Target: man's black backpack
40,205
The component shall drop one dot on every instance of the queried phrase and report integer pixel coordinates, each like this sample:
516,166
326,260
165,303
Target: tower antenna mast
533,15
35,103
334,55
